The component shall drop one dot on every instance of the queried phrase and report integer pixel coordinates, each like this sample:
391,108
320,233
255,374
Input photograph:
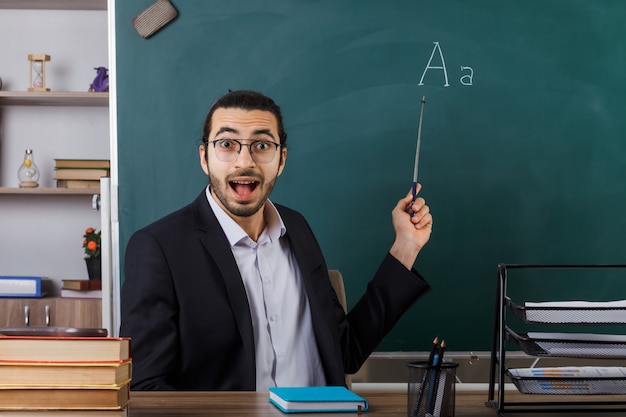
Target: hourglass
38,72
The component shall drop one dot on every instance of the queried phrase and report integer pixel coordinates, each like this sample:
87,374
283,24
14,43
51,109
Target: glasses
262,151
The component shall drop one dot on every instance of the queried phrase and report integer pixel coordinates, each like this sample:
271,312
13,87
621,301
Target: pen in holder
431,389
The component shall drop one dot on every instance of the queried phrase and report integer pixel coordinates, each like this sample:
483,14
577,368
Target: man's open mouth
243,188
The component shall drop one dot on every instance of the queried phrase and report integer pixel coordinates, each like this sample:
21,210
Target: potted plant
91,245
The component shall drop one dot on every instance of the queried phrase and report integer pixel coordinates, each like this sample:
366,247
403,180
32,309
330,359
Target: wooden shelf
49,191
54,4
53,98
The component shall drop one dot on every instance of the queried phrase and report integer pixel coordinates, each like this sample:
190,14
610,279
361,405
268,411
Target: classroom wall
523,150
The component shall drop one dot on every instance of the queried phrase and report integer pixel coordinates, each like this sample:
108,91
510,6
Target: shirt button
281,353
273,317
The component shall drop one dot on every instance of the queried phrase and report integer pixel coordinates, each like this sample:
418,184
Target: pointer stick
417,152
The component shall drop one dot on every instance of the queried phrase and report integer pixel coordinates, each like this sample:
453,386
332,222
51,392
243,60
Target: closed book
92,184
23,286
80,173
82,163
316,399
65,374
82,284
65,413
64,349
66,293
64,398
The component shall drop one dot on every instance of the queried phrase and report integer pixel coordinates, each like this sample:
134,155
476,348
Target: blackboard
523,156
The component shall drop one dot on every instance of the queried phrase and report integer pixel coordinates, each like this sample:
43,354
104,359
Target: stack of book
86,376
81,288
80,173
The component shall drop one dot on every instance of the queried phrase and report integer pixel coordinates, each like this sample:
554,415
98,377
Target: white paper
577,344
608,312
572,380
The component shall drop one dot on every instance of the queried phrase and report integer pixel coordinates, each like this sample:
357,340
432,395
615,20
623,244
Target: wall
42,235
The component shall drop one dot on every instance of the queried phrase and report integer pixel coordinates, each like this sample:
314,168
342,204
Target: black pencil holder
431,389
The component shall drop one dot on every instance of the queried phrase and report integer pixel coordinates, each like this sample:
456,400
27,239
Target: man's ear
283,160
204,156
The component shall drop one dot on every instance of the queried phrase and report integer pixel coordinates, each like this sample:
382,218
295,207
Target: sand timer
38,72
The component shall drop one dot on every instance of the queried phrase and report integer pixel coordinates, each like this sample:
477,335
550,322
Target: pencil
435,382
427,373
433,350
442,348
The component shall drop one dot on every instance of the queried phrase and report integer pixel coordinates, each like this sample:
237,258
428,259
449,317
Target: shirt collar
235,234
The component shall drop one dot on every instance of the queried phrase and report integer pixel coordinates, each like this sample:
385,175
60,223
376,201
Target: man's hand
412,232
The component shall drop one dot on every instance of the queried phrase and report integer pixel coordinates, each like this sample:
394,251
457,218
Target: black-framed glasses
262,151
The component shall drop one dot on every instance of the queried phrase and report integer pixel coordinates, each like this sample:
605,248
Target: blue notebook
316,399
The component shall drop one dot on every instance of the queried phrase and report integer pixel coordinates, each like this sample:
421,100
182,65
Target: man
232,292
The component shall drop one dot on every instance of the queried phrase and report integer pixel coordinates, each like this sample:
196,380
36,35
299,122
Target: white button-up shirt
286,350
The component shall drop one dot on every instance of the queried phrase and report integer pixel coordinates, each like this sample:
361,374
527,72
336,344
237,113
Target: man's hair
246,100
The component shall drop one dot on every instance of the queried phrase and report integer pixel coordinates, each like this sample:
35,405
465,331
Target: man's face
242,186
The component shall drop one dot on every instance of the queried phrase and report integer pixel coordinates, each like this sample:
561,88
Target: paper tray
574,386
570,313
570,345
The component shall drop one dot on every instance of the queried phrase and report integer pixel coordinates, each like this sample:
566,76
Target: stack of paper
567,311
571,380
588,345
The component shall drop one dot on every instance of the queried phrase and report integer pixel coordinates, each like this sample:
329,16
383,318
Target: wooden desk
253,404
256,404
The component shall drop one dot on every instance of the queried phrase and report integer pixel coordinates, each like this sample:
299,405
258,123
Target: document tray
569,386
582,313
570,345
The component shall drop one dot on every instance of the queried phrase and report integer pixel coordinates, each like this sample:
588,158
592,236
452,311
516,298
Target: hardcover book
65,293
64,398
316,399
82,284
92,184
65,374
64,349
83,163
80,173
65,413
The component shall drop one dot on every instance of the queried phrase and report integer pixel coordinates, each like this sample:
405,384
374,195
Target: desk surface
256,404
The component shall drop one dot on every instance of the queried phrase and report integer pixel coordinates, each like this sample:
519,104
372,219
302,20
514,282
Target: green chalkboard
523,156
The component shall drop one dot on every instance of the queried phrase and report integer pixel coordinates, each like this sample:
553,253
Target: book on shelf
24,286
80,173
65,413
82,163
64,398
82,284
67,293
92,184
65,374
316,399
64,349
